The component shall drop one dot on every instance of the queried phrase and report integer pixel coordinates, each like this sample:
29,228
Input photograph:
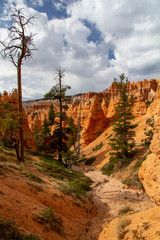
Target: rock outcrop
95,109
12,98
149,172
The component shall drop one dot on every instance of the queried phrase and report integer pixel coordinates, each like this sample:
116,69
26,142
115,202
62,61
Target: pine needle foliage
122,142
58,93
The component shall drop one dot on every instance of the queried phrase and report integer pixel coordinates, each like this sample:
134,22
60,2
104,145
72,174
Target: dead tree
18,47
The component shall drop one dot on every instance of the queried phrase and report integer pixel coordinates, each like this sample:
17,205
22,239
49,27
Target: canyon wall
150,169
94,109
12,98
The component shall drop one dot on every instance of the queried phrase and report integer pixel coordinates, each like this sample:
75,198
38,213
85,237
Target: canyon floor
111,197
25,190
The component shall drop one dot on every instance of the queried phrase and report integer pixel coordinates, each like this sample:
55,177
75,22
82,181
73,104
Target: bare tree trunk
21,141
60,119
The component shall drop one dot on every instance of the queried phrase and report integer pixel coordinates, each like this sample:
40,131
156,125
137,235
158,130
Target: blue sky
94,41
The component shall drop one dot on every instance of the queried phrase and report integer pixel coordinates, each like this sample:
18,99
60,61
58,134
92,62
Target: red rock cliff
96,109
29,141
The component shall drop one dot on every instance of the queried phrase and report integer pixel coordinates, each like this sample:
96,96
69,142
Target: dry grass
121,228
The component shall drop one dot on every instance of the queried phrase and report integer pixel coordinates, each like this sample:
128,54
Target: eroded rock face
150,177
149,173
97,109
29,141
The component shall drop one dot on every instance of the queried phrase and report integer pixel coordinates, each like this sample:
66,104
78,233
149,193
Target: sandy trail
109,196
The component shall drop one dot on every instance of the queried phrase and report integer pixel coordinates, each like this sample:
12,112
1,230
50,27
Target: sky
93,40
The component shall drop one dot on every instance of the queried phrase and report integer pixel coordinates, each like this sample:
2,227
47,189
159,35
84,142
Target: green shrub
10,231
125,210
109,136
74,182
89,161
98,147
79,188
33,177
49,217
137,165
148,103
149,131
133,181
83,159
107,169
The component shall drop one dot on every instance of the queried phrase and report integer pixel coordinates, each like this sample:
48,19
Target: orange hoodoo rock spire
97,109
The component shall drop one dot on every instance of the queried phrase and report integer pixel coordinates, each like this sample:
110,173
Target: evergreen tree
9,125
45,134
58,93
123,142
149,131
38,137
73,133
51,115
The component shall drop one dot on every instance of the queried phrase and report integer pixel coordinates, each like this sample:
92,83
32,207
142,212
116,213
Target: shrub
32,176
107,169
121,228
133,181
89,161
83,159
149,131
79,188
49,217
125,210
148,103
98,147
137,165
74,182
10,231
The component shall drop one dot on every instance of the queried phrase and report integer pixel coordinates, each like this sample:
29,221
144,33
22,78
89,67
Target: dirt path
109,196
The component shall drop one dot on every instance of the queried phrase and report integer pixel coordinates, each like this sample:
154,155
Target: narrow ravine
110,196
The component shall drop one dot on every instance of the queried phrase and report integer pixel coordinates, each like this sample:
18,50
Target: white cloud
39,3
129,28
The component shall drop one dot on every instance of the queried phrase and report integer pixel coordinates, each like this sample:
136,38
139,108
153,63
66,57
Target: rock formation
12,98
149,172
97,109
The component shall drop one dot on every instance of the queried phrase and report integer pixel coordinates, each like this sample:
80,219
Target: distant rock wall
97,109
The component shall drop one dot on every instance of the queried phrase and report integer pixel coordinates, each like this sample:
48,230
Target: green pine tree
122,143
45,134
73,133
51,115
149,131
9,126
38,137
58,93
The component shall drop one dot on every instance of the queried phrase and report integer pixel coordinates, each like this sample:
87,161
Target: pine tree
122,143
9,126
45,133
51,115
58,93
149,131
38,137
73,133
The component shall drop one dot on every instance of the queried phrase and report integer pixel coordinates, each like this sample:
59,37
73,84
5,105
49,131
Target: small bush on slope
49,217
71,182
9,231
